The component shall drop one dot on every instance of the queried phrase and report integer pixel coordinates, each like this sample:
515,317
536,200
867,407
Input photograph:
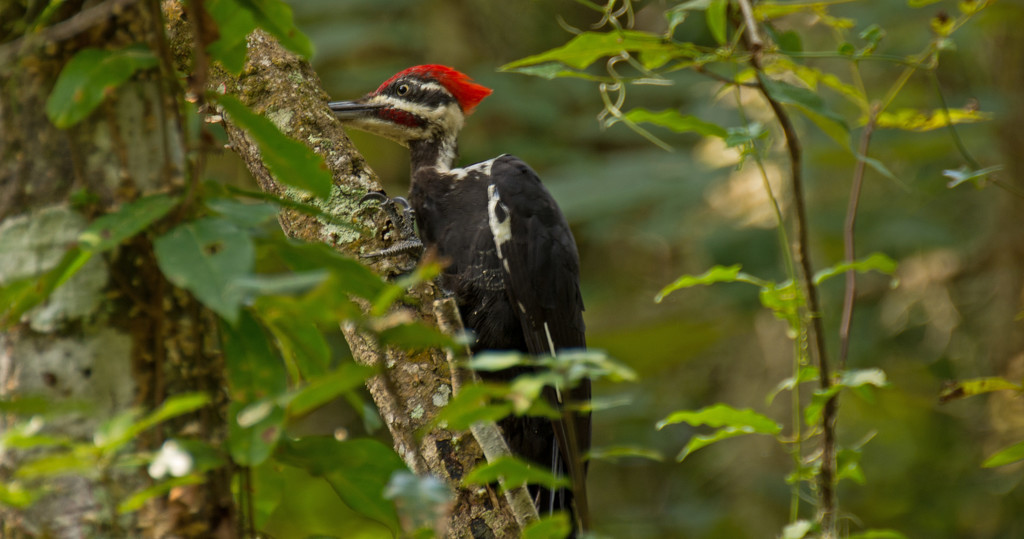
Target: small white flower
172,459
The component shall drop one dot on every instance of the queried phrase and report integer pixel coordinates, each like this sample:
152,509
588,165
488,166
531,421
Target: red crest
468,93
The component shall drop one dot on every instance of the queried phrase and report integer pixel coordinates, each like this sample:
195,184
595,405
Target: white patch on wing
501,228
483,167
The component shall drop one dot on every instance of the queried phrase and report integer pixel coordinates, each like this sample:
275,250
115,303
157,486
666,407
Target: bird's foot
402,233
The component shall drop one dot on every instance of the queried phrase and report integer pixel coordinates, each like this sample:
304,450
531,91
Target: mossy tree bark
117,335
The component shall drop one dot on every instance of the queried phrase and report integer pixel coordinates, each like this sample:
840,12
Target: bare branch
849,250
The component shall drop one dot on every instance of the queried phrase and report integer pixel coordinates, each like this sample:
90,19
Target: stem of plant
849,250
826,477
797,451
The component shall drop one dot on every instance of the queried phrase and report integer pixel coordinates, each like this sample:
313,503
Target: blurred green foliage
643,217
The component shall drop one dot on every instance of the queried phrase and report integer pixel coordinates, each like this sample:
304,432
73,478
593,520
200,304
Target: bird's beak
352,110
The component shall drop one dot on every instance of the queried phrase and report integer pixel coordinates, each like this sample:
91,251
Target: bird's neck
438,153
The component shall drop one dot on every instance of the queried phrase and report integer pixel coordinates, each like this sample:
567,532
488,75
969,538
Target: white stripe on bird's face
406,121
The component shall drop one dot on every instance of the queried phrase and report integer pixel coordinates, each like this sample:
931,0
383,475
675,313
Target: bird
512,262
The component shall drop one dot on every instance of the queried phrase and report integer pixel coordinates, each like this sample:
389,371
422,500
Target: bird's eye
403,89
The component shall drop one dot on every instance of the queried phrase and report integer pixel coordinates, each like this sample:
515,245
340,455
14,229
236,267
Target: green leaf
848,466
358,471
806,374
111,229
14,494
254,373
125,429
81,460
874,262
797,530
741,136
284,202
784,300
699,441
575,365
280,284
290,161
1005,456
863,377
422,502
89,77
617,452
715,16
554,526
976,386
587,47
138,500
555,70
964,174
234,25
492,360
415,336
305,350
847,380
17,297
921,3
513,472
722,415
350,277
236,19
474,403
243,214
919,121
808,101
205,257
323,389
175,406
814,410
814,78
672,119
717,274
275,17
789,42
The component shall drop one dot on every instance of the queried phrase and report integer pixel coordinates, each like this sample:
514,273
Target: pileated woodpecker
512,261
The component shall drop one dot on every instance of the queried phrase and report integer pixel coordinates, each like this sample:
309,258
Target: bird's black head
427,102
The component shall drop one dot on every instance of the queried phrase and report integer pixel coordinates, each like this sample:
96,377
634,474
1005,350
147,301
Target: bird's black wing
538,256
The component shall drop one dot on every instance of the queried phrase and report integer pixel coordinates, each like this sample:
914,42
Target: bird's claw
402,217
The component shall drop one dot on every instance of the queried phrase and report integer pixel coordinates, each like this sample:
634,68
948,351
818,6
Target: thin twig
849,250
754,41
722,78
826,477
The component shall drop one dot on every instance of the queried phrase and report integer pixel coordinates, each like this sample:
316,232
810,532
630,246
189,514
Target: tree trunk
117,335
